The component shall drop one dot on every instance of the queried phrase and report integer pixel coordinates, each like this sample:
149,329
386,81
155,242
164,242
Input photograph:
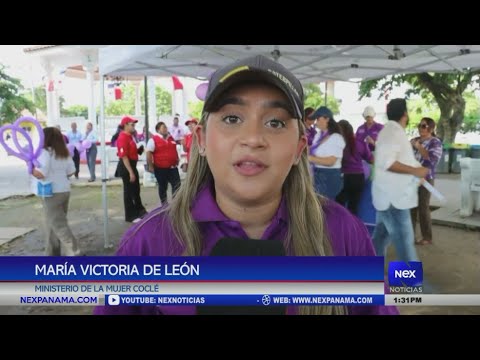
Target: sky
75,91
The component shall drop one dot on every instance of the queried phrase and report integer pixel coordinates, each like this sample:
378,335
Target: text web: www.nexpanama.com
328,300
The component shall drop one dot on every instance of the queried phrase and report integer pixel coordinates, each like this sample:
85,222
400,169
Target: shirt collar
397,124
205,208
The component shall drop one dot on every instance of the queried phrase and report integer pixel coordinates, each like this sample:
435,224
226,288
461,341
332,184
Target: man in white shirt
91,152
176,130
74,137
394,190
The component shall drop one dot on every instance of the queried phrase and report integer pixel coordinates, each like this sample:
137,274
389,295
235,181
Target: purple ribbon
323,135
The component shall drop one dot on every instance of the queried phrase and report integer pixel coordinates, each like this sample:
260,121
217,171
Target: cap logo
285,80
232,72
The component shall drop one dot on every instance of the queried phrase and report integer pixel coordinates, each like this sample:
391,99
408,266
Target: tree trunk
452,112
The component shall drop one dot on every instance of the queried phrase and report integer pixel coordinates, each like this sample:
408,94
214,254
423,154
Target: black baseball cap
321,111
256,67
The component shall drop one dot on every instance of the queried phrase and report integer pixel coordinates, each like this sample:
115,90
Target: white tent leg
103,154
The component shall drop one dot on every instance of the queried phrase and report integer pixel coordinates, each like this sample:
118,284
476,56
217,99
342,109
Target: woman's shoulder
437,141
152,236
348,235
337,139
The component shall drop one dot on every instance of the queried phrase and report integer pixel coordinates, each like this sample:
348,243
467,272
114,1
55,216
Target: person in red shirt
162,159
187,140
127,169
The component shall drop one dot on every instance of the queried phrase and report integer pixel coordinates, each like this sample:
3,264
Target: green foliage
75,110
315,98
195,109
123,106
164,101
419,108
126,105
12,102
39,97
447,90
471,121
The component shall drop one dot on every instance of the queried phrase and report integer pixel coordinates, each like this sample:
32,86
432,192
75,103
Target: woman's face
251,143
322,123
424,129
163,129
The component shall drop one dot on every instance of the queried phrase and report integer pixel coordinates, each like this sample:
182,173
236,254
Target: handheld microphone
245,247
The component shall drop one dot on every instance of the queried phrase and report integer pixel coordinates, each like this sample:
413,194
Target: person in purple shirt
354,154
368,132
249,178
310,130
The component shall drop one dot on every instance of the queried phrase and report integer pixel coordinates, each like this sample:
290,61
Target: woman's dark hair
53,138
333,127
431,124
347,132
159,125
308,111
117,134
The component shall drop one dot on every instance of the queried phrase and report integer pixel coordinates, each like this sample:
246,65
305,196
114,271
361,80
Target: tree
446,89
126,105
123,106
315,98
195,109
164,101
12,103
38,96
471,122
75,110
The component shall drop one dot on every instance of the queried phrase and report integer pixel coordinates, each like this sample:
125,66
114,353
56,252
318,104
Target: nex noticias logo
405,273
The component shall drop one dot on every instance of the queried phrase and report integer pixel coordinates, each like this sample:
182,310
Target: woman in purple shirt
368,132
352,168
248,177
309,125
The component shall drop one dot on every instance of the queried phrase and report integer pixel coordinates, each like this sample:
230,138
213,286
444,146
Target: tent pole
326,92
146,109
104,160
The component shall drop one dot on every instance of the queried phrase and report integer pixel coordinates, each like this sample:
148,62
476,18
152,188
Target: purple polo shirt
311,132
154,237
352,164
363,132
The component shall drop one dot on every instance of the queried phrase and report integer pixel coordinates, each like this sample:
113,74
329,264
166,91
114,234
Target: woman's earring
201,151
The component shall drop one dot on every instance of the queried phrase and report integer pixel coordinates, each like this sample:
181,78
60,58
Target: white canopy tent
310,63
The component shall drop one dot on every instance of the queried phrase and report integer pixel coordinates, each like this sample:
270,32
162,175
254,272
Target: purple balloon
201,91
7,148
27,153
86,144
41,137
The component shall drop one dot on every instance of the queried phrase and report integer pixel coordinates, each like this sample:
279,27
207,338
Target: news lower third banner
224,281
201,268
191,281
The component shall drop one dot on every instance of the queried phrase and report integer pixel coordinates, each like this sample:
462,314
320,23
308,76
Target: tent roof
310,63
